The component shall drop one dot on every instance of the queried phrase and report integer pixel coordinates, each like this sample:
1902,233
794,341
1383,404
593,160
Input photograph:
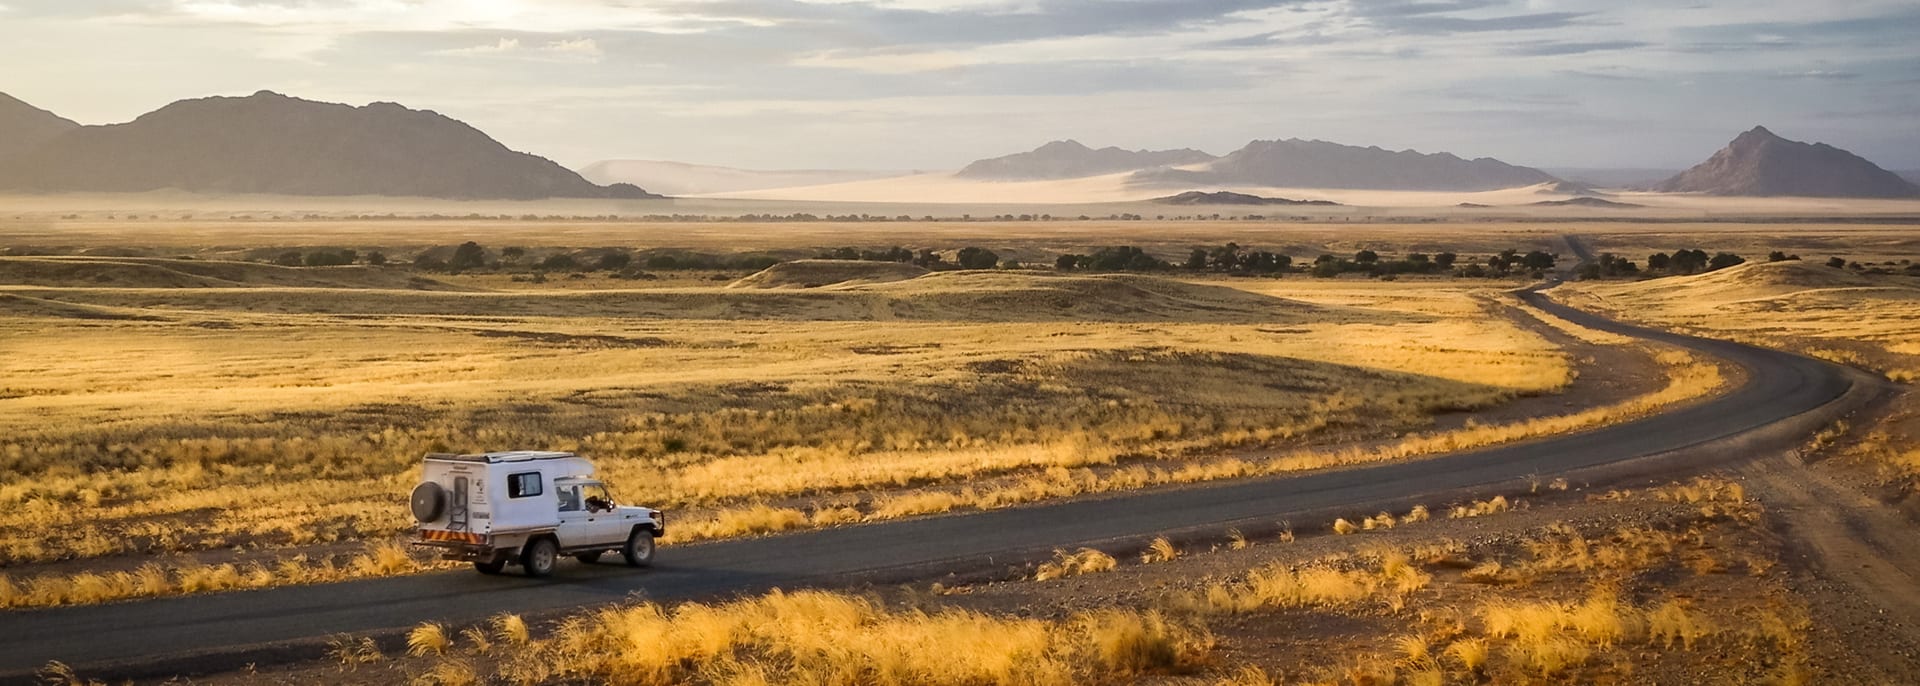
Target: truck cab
527,508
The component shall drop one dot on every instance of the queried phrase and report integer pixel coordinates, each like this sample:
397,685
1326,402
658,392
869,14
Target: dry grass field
186,425
162,406
153,404
157,404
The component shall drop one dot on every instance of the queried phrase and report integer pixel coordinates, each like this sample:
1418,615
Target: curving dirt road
169,636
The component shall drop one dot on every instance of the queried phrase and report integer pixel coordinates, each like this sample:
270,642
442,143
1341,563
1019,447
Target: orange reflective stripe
439,535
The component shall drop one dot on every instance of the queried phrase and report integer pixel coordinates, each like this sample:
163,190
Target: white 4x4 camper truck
528,508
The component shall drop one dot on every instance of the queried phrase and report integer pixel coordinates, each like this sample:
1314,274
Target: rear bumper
458,545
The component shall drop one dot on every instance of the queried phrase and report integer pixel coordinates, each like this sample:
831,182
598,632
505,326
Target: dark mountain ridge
1295,163
271,143
1760,163
24,127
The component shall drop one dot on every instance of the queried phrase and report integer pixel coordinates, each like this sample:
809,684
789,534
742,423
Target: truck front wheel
639,548
540,557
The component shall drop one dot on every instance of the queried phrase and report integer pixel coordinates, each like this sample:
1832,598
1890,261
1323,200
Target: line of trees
1232,259
970,257
1120,258
471,256
327,258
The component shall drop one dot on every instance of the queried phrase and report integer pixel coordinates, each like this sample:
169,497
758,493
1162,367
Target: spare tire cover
429,499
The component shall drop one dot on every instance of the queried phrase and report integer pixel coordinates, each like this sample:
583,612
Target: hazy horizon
934,84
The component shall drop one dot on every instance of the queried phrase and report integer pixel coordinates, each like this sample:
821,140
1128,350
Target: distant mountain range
1070,160
681,178
23,126
271,143
1911,175
1296,163
1759,163
1289,163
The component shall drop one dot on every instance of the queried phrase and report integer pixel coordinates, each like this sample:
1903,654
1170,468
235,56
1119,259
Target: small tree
323,258
468,256
1837,262
376,258
1724,260
559,262
291,258
976,258
1197,260
613,261
1366,257
1067,263
1445,260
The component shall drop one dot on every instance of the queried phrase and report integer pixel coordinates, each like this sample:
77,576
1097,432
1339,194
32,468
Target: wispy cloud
580,49
1823,74
1548,48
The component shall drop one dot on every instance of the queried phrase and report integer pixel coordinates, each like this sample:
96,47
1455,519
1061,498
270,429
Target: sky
933,84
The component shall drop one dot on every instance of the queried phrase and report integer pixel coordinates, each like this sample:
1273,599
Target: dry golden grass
1534,626
428,639
1872,321
1321,584
1160,550
749,411
1082,561
706,413
821,637
152,580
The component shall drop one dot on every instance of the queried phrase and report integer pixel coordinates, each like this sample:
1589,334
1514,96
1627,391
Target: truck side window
570,499
523,485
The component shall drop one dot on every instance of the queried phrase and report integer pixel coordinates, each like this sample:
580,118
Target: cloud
1894,29
1822,74
875,23
504,45
1550,48
1270,39
583,49
1403,8
1436,24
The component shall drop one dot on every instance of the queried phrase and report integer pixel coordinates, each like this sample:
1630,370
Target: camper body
527,508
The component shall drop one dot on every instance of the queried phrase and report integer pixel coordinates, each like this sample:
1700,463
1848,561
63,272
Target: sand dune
680,178
946,188
818,273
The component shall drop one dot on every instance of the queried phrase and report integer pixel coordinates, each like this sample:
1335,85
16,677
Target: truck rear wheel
540,557
489,567
639,548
